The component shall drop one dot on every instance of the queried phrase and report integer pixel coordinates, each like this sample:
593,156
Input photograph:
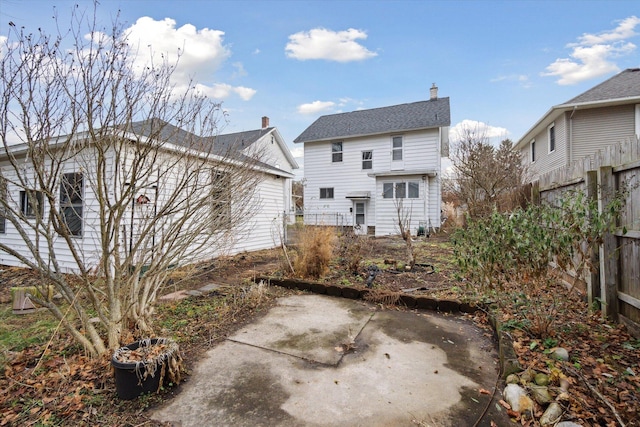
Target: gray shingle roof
397,118
228,146
622,85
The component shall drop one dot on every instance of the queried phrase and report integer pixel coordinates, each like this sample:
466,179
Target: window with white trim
551,134
401,190
31,203
72,202
414,189
387,190
336,152
532,150
396,148
367,160
220,200
3,201
326,193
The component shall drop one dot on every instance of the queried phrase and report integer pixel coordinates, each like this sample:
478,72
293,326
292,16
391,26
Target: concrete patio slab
290,369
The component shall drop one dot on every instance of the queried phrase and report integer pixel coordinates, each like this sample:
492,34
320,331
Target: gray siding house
604,115
360,166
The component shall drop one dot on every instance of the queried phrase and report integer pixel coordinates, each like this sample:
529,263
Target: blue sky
502,63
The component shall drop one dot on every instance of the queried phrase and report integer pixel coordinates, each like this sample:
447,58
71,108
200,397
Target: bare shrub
353,249
315,251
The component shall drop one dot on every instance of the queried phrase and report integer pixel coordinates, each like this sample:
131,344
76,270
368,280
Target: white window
401,190
533,150
551,133
367,160
387,190
336,152
396,150
220,200
71,202
31,203
326,193
414,189
3,201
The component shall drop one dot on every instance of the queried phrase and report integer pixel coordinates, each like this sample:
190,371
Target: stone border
508,359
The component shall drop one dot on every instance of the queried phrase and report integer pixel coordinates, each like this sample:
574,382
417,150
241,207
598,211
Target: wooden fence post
608,249
592,277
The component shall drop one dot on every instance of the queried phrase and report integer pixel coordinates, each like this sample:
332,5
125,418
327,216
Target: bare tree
485,177
404,226
110,177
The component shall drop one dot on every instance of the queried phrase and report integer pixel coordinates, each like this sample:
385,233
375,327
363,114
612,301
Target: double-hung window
551,131
396,148
71,202
336,152
326,193
367,160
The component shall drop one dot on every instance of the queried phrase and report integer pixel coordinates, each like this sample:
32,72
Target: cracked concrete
290,368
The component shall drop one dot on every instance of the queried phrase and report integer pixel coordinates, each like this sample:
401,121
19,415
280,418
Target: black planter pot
134,379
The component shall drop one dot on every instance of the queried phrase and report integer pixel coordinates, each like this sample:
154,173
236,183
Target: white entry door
359,218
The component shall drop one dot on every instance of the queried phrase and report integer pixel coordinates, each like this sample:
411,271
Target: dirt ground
47,379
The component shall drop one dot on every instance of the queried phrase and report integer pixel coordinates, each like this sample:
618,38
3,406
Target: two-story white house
362,165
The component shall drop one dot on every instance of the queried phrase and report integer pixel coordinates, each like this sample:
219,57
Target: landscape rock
560,353
568,424
541,394
551,415
517,397
513,379
541,379
528,375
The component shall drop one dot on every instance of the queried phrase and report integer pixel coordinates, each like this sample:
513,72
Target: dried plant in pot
145,366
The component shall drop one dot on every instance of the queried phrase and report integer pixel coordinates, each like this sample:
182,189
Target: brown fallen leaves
603,371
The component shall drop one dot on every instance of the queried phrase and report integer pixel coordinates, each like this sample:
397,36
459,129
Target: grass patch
18,332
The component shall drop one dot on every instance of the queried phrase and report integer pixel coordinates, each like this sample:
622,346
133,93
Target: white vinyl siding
421,151
263,230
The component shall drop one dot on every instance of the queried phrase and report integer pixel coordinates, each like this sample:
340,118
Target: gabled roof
621,89
397,118
623,85
229,146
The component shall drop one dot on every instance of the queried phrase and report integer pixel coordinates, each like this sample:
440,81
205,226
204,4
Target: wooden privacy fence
616,284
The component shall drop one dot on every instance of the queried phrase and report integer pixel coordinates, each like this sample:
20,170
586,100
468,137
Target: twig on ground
597,393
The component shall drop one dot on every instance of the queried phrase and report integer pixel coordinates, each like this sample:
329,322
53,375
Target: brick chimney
265,122
433,92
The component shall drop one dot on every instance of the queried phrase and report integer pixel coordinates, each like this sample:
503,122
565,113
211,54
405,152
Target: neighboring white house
73,179
603,115
359,166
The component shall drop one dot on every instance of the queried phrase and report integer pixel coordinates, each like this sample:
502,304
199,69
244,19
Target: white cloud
198,54
522,79
320,43
592,55
315,107
482,130
297,152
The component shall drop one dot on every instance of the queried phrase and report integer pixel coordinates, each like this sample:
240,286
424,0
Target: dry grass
315,252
